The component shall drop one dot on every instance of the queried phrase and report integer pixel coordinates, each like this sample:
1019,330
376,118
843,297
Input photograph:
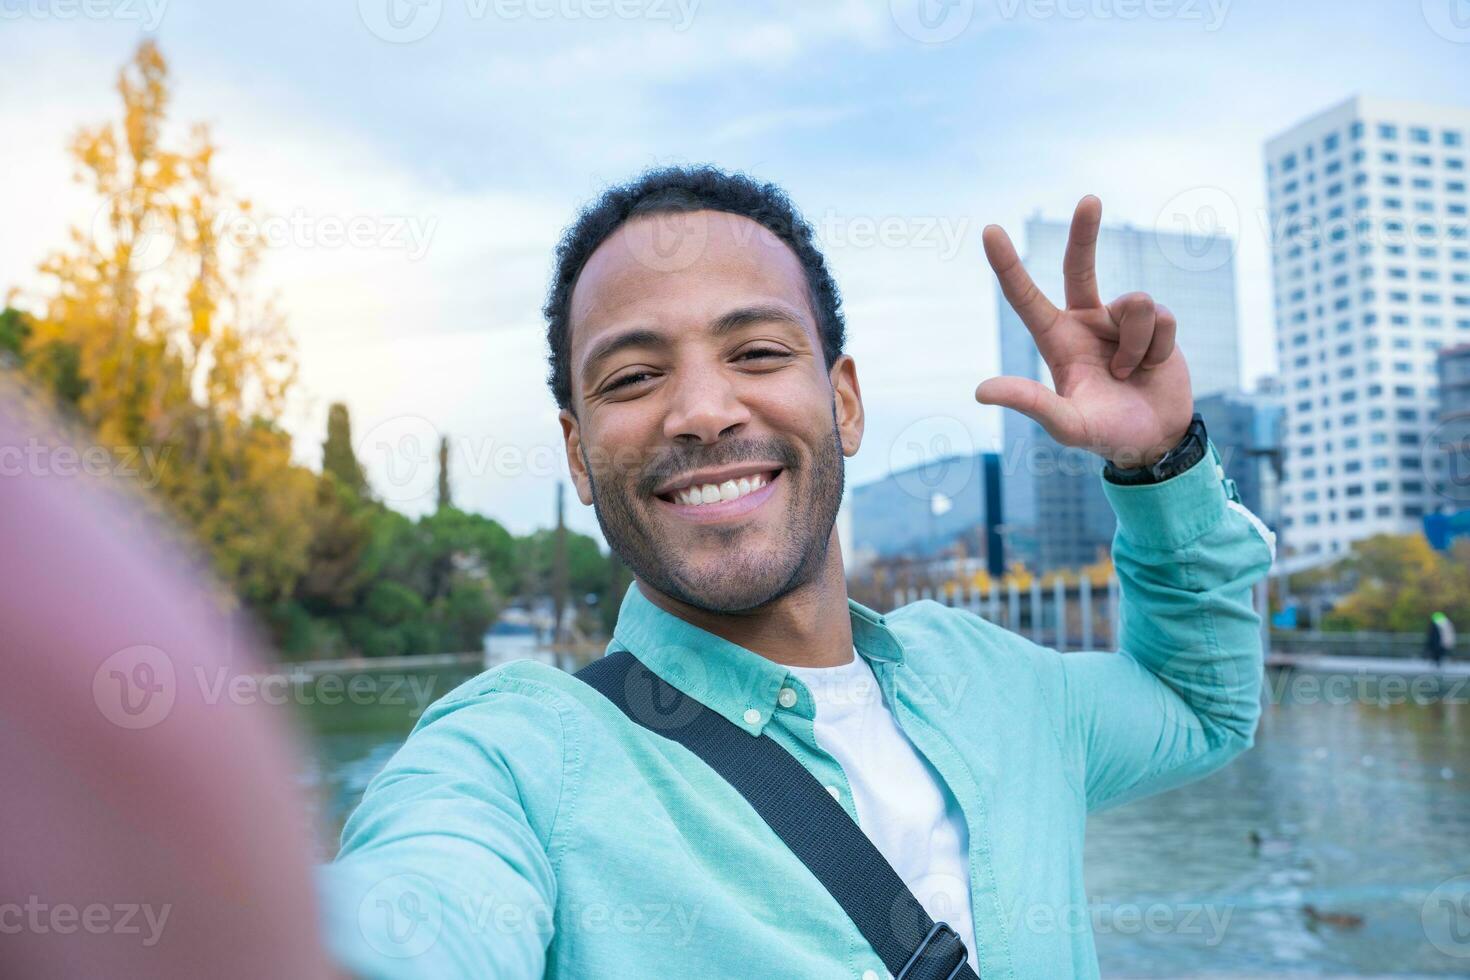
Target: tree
444,500
15,327
1401,580
338,456
151,336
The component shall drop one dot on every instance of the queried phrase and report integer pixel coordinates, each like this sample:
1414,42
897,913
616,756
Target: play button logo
400,21
1450,19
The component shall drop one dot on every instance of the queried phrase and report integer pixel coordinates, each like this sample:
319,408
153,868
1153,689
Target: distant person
1441,638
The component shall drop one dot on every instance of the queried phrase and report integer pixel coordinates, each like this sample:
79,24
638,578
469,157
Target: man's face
708,432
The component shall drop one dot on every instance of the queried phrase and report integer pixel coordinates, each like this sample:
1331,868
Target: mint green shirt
527,828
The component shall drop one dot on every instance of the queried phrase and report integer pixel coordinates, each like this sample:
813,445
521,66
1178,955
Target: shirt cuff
1171,514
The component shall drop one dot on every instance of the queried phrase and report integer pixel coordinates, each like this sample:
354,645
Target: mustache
681,459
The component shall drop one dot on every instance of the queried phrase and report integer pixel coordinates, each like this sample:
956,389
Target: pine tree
444,500
338,457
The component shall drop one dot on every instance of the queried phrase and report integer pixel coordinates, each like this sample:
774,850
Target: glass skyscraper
1055,513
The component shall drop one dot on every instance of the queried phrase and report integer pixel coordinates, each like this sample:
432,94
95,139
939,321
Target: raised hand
1122,388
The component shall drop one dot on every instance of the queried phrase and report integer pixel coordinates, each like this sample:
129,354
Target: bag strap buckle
921,960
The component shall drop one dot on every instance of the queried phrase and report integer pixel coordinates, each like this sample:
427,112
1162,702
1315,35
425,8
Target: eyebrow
723,324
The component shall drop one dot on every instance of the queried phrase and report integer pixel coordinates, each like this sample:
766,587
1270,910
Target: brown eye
626,380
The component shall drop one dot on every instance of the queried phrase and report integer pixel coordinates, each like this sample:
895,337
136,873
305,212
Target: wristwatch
1189,450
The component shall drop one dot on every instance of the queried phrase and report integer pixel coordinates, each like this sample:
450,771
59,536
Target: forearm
1182,694
442,872
1187,558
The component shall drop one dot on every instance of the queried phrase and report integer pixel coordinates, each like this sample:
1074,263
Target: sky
420,158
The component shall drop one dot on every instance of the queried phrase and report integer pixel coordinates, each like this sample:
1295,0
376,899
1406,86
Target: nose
704,408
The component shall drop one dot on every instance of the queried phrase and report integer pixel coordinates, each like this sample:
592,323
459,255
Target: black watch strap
1189,450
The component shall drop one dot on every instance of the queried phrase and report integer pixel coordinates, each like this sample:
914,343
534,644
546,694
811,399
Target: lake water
1355,805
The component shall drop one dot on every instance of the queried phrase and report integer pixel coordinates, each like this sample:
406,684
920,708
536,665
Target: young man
529,827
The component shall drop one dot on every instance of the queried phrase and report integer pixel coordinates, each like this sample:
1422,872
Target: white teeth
710,493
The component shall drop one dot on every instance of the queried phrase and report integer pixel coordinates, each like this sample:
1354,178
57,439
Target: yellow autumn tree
151,335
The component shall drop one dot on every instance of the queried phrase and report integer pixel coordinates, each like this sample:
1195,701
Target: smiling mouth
725,491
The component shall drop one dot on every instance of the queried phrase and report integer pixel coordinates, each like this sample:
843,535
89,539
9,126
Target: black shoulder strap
802,813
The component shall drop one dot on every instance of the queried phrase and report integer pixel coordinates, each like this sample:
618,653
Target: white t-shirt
902,804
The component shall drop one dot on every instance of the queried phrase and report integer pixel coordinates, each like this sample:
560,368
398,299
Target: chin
727,590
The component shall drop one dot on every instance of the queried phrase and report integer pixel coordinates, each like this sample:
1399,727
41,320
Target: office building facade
949,507
1371,266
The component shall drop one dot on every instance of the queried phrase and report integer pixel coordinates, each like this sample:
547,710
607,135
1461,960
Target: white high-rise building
1372,276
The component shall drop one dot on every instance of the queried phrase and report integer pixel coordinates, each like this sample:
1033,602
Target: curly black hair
676,190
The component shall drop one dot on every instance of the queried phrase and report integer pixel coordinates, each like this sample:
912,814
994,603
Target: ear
571,432
847,403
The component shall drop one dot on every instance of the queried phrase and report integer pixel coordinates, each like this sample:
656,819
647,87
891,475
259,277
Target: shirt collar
737,683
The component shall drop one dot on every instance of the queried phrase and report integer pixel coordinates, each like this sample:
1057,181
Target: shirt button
1220,471
836,793
787,697
752,716
870,975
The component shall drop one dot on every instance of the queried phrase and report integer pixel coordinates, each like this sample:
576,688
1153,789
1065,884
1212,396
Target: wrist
1159,464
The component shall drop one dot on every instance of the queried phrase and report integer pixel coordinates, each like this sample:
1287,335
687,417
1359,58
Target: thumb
1035,401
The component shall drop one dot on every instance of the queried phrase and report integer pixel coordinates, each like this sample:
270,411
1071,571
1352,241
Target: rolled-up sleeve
444,869
1181,695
